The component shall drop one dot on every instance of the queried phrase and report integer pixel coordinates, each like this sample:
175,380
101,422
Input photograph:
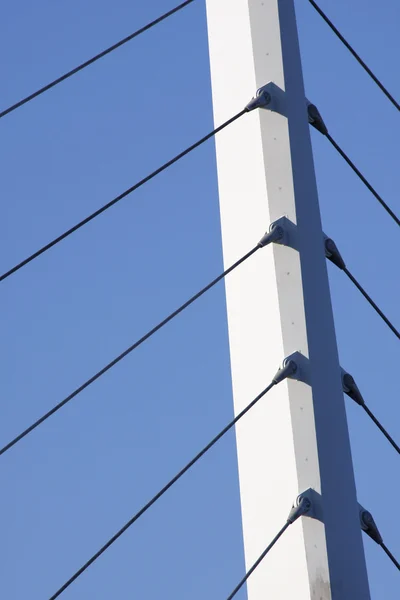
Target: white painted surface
296,437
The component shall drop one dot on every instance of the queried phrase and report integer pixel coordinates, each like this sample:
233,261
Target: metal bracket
309,504
288,369
261,100
300,508
315,504
282,231
332,253
302,372
315,119
274,234
271,97
350,388
295,366
369,526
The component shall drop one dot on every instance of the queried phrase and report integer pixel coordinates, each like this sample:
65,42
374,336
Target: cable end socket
274,234
315,119
369,526
351,389
288,369
303,505
332,253
261,100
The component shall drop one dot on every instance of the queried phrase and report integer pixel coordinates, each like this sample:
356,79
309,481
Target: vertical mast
279,303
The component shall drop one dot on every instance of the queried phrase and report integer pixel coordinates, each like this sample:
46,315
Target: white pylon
279,303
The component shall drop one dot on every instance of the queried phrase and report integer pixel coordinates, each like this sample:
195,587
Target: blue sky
71,484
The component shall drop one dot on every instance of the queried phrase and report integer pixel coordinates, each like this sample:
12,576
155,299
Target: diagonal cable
315,119
295,513
352,390
363,179
354,53
92,60
372,303
258,561
370,527
125,353
117,199
282,374
332,253
381,427
390,555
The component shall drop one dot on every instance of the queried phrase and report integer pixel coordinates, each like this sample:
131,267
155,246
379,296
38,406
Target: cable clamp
350,388
282,231
270,97
332,253
288,369
369,526
295,366
315,119
275,234
300,508
261,100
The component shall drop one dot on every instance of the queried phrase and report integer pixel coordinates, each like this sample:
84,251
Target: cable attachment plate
261,100
315,504
295,366
288,369
332,253
369,526
275,234
315,119
269,96
286,230
350,388
302,507
302,372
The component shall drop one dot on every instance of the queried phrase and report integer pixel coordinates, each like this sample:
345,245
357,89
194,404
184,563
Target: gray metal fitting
332,253
302,507
315,119
270,97
288,369
315,511
274,234
351,389
369,526
261,100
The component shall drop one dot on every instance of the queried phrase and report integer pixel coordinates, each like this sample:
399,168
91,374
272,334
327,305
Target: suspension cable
371,529
280,376
363,179
354,53
258,561
315,119
296,512
116,360
390,555
332,253
382,429
92,60
372,303
137,185
352,390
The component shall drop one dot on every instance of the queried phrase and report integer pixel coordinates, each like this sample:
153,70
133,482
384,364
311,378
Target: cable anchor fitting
288,369
332,253
261,100
302,507
369,526
351,389
315,119
274,234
